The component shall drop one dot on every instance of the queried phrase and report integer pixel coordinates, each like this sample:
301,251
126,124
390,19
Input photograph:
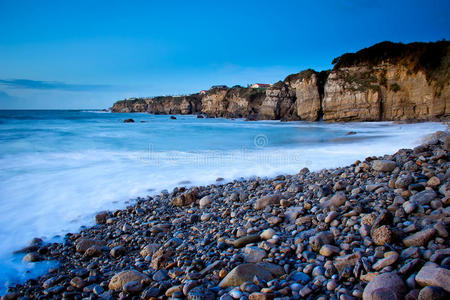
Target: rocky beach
376,229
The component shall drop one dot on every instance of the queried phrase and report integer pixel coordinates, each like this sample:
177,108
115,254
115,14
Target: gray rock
432,293
384,165
243,273
423,197
263,202
385,286
119,280
419,238
432,275
322,238
254,254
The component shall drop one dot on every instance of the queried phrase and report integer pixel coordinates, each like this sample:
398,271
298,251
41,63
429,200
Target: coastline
313,233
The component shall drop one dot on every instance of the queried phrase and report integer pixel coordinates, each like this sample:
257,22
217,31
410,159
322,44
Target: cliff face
160,105
387,81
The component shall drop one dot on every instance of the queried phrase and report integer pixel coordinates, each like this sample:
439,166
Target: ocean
59,167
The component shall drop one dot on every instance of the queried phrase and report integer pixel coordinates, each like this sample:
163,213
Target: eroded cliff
388,81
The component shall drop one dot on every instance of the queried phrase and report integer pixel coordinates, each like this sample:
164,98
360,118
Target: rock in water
129,121
101,217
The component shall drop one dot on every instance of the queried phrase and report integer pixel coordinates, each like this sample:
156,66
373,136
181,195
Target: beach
378,226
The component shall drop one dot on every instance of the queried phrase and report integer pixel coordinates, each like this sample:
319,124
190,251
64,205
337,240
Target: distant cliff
388,81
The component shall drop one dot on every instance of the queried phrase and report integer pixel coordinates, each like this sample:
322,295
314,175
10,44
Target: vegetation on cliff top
431,58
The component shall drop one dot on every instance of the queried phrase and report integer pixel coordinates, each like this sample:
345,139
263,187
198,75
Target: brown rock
83,244
384,165
382,235
385,286
419,238
248,239
262,203
343,262
432,275
119,280
246,272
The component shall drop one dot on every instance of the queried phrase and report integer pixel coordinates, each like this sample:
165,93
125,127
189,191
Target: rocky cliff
388,81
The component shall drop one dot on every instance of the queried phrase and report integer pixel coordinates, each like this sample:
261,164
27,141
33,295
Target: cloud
50,85
4,96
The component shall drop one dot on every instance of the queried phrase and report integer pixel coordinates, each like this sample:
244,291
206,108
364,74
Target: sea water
58,168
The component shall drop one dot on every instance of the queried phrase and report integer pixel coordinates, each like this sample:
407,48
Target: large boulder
385,286
432,275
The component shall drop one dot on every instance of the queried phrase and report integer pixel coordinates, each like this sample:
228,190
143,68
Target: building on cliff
260,85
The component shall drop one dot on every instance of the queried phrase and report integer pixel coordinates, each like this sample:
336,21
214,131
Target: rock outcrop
388,81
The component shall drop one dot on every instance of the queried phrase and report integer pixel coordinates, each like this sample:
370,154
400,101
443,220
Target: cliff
388,81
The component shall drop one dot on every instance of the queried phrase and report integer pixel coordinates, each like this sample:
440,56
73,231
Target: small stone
434,182
174,289
382,263
409,207
235,294
132,287
118,251
261,296
331,216
364,230
242,241
404,181
267,234
77,282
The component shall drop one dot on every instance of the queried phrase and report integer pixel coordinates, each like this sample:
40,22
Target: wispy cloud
4,96
50,85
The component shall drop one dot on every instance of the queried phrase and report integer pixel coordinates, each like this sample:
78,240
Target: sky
88,54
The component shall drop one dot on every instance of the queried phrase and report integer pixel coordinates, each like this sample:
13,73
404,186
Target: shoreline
303,255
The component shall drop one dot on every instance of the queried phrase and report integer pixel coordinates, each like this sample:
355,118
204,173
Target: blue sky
88,54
